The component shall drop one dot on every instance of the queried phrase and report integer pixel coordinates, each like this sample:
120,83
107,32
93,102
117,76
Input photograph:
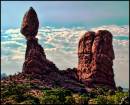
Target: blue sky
62,23
67,13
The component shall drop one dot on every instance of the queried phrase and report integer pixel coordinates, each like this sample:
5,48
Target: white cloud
60,45
12,31
116,30
11,42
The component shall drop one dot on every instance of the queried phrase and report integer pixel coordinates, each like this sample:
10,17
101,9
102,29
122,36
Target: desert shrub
77,98
84,99
101,99
100,91
50,99
14,92
112,99
124,100
92,94
14,89
81,99
58,94
110,92
57,91
92,101
118,96
69,100
7,101
32,99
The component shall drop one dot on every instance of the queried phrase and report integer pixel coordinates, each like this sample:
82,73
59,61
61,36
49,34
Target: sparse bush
101,99
124,100
93,94
118,96
84,99
58,94
110,92
69,100
50,99
14,93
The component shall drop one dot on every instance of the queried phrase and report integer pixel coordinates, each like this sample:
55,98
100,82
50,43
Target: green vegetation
26,93
16,93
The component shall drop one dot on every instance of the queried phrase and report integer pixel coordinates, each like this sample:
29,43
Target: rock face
95,59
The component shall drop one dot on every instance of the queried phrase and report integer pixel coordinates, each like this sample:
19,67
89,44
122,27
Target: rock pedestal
35,58
95,55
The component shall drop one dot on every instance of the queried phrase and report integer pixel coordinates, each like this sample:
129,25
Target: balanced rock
30,24
35,58
38,66
95,59
95,53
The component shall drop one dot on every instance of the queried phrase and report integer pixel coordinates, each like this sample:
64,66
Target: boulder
30,24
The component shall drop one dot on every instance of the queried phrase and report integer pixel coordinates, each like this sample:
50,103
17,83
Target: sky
67,13
62,23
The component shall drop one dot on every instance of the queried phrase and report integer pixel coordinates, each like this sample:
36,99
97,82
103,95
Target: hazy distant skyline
62,23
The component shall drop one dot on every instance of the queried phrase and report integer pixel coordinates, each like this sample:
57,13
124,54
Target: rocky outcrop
38,66
95,54
35,58
95,59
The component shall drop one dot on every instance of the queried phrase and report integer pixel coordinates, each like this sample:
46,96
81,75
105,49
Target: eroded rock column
35,58
95,55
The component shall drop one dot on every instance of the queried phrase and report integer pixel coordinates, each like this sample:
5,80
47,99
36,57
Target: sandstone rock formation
38,65
30,23
95,59
95,53
35,58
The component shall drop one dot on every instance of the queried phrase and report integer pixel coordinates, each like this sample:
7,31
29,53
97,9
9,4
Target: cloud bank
60,45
